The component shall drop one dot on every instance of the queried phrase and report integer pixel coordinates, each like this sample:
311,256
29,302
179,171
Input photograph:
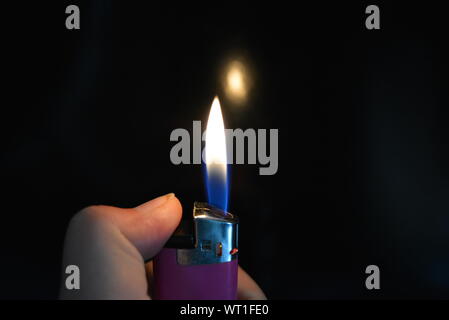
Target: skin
110,246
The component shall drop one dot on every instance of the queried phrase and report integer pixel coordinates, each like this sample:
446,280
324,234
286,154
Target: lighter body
208,270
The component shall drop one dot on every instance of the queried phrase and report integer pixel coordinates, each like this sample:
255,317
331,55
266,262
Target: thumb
149,225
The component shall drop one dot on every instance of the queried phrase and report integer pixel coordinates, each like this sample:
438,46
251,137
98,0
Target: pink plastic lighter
199,262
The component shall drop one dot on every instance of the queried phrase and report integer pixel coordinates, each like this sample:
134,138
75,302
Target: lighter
199,262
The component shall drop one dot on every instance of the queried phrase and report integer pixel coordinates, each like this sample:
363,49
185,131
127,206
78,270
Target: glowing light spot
236,82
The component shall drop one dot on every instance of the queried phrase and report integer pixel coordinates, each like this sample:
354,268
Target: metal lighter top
215,234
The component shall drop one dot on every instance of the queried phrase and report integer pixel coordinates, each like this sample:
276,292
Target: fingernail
157,202
169,195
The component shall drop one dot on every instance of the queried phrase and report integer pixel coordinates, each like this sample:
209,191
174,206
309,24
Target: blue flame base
217,188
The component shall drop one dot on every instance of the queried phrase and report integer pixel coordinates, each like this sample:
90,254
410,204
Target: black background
363,140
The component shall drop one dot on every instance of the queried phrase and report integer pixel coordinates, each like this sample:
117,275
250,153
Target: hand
110,246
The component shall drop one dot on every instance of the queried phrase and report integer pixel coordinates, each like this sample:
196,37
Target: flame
215,156
215,137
